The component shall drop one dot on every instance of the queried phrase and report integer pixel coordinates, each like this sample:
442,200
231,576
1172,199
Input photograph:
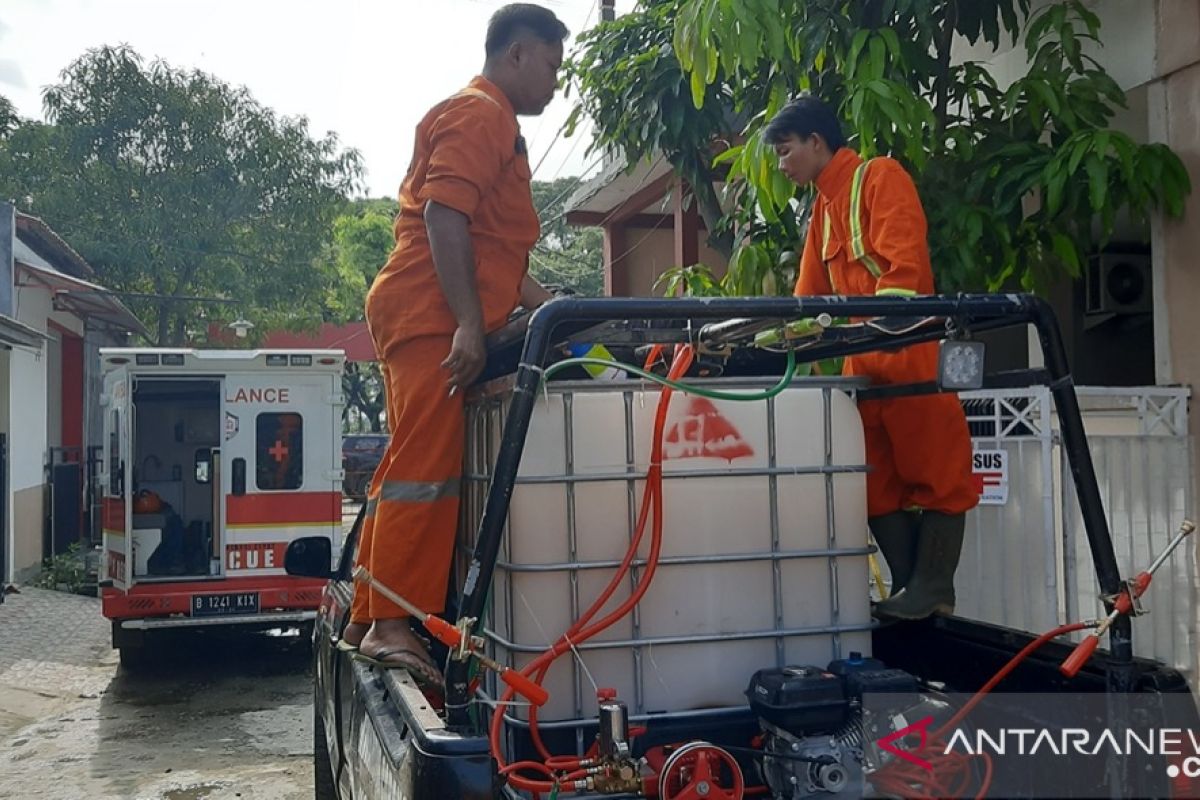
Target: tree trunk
709,206
179,339
164,323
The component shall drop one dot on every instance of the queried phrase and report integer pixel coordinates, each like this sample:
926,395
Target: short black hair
803,117
513,19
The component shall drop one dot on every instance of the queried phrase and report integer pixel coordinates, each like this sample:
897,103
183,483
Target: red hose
951,773
579,631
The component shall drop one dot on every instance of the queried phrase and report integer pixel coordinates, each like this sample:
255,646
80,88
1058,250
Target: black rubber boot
930,590
896,535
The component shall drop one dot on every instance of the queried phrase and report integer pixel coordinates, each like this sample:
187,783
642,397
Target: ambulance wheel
324,786
134,658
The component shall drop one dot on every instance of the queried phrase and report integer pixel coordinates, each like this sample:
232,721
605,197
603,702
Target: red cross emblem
279,451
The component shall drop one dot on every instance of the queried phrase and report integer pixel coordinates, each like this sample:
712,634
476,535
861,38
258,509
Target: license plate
220,605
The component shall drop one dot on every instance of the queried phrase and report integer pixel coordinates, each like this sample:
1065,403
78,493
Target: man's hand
466,359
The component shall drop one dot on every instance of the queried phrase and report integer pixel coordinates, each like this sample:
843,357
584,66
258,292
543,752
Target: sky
367,70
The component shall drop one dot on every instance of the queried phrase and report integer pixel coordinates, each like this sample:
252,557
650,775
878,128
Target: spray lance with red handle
1125,603
456,637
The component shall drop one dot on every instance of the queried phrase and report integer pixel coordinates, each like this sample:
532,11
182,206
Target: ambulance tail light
301,361
118,360
327,361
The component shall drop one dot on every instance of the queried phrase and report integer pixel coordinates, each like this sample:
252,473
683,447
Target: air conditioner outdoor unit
1118,283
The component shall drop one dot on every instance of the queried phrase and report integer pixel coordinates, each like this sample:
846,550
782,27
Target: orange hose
579,632
952,774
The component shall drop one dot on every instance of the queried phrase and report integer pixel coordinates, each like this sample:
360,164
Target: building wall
1128,28
28,520
6,519
651,253
27,441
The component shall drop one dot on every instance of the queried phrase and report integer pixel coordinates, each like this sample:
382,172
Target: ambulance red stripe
284,508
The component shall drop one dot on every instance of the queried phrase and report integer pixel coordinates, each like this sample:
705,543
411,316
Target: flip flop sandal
346,647
423,675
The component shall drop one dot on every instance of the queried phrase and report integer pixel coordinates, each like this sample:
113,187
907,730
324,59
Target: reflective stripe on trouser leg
417,514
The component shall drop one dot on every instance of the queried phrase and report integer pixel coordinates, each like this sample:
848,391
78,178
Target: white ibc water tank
764,540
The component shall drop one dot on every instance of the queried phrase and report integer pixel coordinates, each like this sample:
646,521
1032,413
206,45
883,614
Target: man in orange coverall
867,237
463,236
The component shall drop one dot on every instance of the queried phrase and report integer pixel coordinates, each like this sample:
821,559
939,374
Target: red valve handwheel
701,771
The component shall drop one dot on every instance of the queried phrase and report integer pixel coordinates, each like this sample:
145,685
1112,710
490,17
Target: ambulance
213,462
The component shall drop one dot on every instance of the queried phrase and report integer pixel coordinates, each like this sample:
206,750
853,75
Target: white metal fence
1026,561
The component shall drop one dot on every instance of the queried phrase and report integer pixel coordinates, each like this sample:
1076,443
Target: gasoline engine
817,739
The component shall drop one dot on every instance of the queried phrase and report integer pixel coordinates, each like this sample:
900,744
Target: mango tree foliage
176,185
630,82
1013,177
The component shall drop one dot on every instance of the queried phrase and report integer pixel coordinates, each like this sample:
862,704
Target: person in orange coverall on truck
458,269
867,237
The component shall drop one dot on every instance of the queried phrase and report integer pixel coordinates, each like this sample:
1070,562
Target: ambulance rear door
116,474
279,473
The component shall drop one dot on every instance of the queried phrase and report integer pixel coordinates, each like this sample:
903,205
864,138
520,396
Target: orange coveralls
468,156
867,237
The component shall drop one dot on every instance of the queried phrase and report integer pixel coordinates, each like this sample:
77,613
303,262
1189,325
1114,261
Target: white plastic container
765,504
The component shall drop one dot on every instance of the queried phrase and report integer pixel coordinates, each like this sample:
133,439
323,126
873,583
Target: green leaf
1054,192
1097,170
856,46
698,88
892,41
732,154
1082,145
878,57
782,189
1047,95
1065,249
974,228
881,88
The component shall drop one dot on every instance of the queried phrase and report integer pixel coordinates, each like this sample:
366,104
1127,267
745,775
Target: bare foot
354,632
393,640
394,635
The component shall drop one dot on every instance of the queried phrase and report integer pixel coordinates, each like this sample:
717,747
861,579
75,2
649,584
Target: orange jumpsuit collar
837,173
493,91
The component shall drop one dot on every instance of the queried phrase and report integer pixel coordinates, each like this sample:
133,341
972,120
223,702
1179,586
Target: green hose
711,394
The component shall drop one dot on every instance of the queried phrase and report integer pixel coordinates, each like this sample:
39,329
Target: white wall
1129,57
6,523
68,321
27,396
27,413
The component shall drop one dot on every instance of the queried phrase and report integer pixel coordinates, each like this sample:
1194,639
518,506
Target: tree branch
945,41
